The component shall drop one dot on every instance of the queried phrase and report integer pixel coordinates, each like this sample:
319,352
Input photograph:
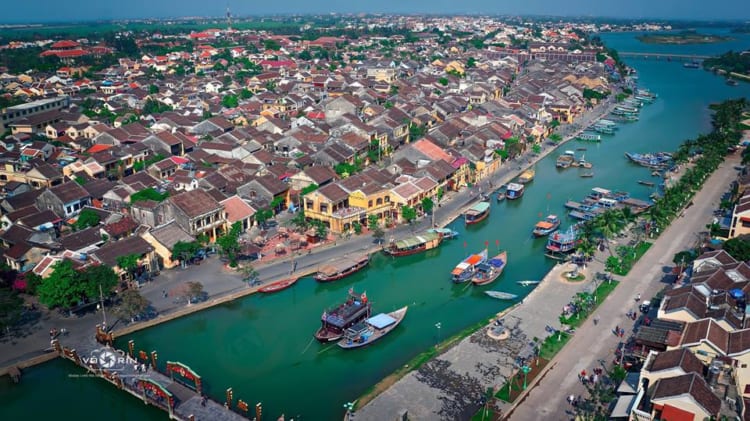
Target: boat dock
172,387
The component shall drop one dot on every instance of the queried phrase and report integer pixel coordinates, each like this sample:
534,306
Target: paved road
592,343
219,281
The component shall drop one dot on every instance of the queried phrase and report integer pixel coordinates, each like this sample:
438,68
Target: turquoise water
262,346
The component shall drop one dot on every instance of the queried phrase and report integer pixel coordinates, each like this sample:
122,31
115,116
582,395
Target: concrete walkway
33,339
592,343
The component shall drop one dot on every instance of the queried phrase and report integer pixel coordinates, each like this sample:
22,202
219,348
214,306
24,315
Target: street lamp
438,325
349,406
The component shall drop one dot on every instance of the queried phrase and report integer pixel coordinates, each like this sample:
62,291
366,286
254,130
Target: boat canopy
545,225
601,190
496,262
479,207
411,242
381,321
474,259
460,268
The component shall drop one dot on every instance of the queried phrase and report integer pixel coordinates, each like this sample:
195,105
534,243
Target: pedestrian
164,293
617,330
622,332
596,320
52,333
638,298
571,399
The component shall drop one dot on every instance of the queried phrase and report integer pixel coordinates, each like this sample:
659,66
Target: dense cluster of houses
696,351
363,135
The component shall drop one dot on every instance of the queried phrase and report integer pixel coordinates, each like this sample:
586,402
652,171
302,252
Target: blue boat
514,191
657,160
465,270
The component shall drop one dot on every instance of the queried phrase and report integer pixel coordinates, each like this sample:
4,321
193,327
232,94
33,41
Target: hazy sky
66,10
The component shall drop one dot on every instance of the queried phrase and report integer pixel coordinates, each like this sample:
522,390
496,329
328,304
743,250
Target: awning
381,321
623,406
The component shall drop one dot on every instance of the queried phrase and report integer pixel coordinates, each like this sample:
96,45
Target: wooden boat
500,196
580,149
341,267
589,137
465,270
501,295
336,320
446,233
527,176
546,226
413,245
372,329
278,285
490,270
587,174
514,191
477,213
732,82
563,242
528,283
566,159
646,183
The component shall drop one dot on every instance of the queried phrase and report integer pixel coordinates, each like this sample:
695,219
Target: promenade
452,385
593,343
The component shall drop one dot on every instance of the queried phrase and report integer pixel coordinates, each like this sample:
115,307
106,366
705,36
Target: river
262,346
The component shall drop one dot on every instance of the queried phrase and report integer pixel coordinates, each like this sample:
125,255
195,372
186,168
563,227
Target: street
591,342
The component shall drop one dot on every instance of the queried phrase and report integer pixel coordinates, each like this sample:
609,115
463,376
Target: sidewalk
219,281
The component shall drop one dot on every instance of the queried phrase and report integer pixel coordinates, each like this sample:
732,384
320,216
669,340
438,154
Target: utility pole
104,313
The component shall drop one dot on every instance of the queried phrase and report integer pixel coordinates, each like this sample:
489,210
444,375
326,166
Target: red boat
278,285
335,321
341,267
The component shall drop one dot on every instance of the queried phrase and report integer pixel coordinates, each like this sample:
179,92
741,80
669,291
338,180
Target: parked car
203,296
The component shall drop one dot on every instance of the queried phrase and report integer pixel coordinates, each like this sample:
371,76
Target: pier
176,388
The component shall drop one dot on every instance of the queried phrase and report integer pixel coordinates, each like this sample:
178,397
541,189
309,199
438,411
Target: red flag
464,244
486,243
497,243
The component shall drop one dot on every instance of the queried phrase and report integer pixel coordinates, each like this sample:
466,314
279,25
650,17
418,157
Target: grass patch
513,388
587,303
580,277
627,256
551,346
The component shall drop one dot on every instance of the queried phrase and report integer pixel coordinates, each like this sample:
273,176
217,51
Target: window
323,208
379,201
388,199
369,204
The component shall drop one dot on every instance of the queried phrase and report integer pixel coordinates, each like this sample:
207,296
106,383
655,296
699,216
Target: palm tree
586,248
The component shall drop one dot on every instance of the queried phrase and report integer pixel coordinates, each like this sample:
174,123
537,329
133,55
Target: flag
351,291
364,296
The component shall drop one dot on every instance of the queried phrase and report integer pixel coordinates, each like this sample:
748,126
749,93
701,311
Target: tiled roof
169,234
682,358
333,192
69,192
692,384
237,209
109,252
195,203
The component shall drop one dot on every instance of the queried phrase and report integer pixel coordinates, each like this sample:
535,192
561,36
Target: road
33,338
592,343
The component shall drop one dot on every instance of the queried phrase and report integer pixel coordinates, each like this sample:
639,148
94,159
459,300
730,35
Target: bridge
664,56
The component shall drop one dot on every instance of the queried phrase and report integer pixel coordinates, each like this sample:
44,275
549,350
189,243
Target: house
266,189
330,205
319,175
111,252
65,199
238,211
740,217
166,143
197,212
163,238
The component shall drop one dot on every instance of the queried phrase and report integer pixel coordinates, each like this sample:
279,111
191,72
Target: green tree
305,55
129,264
300,220
263,215
408,213
443,81
97,276
153,89
245,94
229,243
427,205
63,287
132,303
738,247
11,308
148,194
440,194
471,62
230,101
184,250
271,44
87,218
357,227
321,231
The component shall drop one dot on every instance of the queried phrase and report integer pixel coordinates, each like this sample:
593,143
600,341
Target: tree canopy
66,287
87,218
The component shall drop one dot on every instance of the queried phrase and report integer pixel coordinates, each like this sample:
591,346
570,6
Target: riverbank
226,286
